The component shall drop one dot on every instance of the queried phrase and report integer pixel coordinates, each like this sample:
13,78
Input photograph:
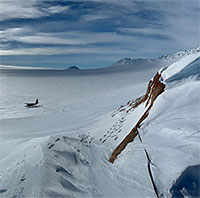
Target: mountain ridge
170,57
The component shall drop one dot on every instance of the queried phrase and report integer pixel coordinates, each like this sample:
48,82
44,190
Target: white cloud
56,9
27,35
19,9
145,30
179,22
11,33
61,50
92,17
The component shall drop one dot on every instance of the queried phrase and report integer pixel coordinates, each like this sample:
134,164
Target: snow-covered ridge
180,65
181,54
155,87
128,60
151,107
169,57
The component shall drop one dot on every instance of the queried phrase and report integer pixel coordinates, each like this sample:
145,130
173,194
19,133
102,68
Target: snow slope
62,149
170,132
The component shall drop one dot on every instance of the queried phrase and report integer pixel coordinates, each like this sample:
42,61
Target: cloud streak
24,9
65,38
56,9
63,50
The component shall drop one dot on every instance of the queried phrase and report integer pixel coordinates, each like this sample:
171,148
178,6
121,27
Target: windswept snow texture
62,148
193,70
176,67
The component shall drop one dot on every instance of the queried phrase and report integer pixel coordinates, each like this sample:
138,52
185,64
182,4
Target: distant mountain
73,68
127,60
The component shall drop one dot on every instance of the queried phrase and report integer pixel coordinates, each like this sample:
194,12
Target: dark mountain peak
73,68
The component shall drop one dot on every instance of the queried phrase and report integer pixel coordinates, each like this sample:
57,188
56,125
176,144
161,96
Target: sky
94,33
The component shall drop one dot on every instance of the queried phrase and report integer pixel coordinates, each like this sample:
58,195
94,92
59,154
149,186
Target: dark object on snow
32,104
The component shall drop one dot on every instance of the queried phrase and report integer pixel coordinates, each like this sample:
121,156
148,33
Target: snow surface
178,66
61,149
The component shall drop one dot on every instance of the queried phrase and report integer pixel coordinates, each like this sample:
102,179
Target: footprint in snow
23,178
3,191
104,140
51,146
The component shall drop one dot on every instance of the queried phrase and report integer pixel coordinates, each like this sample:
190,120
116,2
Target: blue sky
94,33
